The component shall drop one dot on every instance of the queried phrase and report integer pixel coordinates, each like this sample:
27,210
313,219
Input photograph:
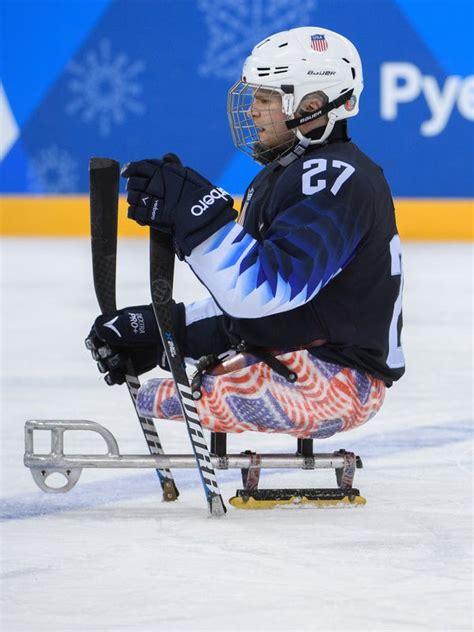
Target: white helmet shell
309,59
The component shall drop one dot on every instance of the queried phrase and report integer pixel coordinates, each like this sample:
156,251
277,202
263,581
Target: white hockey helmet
294,64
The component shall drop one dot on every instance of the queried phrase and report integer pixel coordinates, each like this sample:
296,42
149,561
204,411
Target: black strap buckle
209,362
203,365
270,360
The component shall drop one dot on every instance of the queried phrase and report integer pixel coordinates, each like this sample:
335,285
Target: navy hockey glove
124,335
176,200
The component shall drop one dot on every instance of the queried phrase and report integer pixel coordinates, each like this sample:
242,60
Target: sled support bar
70,465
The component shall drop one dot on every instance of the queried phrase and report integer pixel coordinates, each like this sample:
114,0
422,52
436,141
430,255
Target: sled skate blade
270,499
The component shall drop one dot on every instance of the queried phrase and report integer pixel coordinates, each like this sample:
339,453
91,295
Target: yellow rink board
68,216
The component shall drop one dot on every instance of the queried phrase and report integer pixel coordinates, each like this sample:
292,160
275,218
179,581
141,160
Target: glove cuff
185,241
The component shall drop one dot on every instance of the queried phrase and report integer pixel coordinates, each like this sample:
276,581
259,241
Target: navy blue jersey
315,256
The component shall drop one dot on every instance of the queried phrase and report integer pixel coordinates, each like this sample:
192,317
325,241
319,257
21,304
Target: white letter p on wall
392,93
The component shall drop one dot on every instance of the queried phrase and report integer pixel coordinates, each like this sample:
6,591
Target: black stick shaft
104,191
161,280
104,185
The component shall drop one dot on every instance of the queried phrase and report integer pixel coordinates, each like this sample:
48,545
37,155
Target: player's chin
269,140
272,140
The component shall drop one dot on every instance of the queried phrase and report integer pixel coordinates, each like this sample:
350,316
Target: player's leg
324,400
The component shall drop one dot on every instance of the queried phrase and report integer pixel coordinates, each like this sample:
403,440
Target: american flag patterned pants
325,399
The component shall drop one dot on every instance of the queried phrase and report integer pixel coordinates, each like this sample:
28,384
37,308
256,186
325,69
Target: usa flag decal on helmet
319,43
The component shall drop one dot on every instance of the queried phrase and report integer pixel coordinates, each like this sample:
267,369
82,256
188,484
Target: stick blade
104,176
216,506
102,163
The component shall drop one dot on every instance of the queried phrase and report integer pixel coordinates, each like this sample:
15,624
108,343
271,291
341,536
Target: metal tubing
70,465
113,459
60,426
180,461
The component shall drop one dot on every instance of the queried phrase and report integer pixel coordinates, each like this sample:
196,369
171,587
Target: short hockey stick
161,281
104,188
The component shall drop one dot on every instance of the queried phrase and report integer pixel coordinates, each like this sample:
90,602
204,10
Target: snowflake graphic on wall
236,26
53,170
105,87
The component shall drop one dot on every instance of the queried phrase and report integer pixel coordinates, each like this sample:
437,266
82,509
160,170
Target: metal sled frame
70,465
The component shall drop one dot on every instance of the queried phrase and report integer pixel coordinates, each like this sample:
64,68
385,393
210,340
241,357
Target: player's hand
177,200
126,336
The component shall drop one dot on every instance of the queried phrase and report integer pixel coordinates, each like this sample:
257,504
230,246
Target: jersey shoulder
335,172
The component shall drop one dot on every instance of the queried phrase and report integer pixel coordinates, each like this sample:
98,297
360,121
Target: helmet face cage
244,131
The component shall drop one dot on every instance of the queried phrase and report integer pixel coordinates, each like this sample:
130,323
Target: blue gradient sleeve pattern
304,248
201,310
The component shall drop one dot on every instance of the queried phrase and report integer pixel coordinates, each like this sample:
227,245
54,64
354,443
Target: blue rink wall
132,79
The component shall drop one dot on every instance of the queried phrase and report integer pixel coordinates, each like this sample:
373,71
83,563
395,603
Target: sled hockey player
301,331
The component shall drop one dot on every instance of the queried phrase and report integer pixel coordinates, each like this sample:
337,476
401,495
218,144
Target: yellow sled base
272,498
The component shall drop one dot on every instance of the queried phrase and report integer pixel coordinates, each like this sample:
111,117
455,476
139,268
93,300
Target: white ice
110,556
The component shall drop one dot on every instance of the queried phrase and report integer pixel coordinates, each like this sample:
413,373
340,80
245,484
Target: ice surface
110,556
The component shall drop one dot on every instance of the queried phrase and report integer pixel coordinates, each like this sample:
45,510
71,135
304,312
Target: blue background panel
137,79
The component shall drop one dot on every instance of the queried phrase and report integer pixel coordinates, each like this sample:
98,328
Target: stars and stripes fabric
326,399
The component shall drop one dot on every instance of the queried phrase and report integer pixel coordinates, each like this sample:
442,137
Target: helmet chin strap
304,142
332,118
295,152
329,109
